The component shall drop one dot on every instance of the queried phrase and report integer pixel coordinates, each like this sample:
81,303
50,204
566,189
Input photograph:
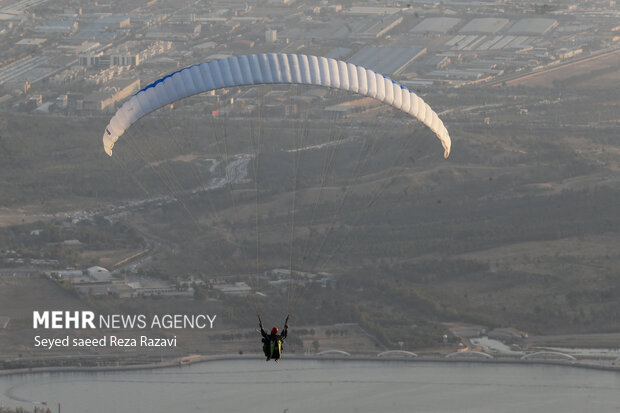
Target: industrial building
535,26
387,60
436,25
484,25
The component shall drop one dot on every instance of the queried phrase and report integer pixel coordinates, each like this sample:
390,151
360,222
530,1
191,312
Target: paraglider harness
272,343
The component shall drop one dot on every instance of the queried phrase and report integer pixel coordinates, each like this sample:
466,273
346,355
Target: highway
510,78
17,69
22,5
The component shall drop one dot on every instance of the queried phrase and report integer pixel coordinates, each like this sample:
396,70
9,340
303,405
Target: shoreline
177,362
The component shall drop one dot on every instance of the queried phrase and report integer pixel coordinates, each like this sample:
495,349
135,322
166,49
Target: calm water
323,386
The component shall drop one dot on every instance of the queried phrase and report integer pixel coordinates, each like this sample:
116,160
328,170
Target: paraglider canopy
270,69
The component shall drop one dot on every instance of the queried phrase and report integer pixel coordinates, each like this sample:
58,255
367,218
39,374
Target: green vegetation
63,242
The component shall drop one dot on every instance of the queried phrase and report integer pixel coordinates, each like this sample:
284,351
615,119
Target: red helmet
274,330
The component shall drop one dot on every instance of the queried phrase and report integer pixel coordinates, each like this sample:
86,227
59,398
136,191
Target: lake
322,386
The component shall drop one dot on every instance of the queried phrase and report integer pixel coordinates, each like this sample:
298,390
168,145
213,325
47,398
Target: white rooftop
436,25
485,25
534,26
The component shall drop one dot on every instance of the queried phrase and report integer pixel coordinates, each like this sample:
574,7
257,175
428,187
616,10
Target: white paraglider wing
271,68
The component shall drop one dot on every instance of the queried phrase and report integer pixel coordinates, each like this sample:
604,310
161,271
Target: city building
271,35
238,288
105,99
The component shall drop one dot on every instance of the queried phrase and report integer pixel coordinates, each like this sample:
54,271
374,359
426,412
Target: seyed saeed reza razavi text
105,341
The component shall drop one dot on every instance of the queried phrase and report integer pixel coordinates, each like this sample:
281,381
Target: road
508,79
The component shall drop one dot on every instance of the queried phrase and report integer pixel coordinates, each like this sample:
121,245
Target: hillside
519,227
